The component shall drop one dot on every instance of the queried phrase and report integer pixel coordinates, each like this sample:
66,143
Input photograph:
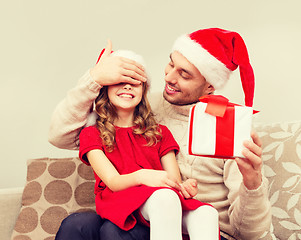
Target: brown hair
143,119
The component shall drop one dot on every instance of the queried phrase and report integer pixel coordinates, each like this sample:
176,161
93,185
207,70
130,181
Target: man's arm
71,113
250,210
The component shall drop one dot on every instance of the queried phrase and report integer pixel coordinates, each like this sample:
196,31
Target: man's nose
171,76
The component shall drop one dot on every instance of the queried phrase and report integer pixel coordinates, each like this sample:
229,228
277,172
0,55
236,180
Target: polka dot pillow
54,189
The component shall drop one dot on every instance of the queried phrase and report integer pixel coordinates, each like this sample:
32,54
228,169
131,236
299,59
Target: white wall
47,45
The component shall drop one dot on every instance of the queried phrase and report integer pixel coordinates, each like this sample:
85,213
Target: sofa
57,187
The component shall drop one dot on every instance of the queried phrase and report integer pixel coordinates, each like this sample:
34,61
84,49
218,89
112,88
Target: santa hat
216,53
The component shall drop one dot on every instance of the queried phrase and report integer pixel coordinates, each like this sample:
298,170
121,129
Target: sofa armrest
10,204
282,166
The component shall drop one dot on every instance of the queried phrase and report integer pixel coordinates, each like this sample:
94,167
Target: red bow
217,105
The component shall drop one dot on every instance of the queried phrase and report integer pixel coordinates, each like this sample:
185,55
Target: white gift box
218,128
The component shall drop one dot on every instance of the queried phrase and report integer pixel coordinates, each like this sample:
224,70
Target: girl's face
125,96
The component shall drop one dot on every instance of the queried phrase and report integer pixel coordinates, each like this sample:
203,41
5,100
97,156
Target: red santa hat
216,53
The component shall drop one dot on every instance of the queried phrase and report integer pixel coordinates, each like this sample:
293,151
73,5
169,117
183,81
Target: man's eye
185,75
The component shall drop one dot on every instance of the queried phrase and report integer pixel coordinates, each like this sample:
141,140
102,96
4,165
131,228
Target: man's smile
170,90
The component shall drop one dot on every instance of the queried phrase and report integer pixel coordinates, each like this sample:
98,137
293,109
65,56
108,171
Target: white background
47,45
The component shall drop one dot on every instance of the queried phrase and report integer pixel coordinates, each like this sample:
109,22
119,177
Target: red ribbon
224,141
217,105
191,131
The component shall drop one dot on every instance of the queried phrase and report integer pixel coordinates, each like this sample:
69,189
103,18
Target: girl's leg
164,212
201,223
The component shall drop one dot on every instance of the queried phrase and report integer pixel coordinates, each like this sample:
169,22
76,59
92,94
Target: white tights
164,212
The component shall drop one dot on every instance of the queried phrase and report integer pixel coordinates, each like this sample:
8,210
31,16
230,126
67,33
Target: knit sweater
243,214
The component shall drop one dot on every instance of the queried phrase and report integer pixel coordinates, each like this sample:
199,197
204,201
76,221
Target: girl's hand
157,178
189,188
111,70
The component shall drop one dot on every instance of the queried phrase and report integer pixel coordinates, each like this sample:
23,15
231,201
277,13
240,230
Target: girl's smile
125,96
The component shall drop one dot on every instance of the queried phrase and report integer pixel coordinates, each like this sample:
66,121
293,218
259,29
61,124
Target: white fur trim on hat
213,70
130,55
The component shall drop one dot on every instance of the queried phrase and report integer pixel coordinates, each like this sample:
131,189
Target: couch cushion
54,189
10,204
282,166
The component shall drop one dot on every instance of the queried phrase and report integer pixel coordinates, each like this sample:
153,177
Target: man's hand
250,166
189,188
157,178
112,70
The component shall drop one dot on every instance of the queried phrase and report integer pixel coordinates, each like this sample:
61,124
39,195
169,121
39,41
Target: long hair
144,119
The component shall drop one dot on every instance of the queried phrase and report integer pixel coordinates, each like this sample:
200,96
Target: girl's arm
116,182
169,163
106,171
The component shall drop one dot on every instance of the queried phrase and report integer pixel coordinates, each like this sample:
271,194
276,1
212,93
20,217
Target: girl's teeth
126,95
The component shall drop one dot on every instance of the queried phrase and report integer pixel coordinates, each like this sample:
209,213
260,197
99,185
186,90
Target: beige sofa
57,187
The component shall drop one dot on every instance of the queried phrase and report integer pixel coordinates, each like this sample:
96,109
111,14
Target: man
199,63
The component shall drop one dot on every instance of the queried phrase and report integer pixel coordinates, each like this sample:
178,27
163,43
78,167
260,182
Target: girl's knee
167,197
163,202
211,210
208,211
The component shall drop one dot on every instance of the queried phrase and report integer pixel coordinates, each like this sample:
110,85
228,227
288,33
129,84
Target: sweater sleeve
250,210
71,113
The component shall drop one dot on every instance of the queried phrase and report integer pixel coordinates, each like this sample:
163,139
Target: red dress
130,154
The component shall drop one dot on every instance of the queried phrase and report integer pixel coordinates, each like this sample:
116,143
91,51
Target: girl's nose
127,86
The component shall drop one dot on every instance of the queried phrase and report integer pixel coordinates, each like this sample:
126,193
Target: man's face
184,83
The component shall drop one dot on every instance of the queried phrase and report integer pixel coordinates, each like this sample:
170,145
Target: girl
137,176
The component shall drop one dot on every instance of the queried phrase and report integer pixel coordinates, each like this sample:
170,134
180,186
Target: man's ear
209,89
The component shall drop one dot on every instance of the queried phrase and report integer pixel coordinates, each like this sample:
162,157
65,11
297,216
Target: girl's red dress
129,155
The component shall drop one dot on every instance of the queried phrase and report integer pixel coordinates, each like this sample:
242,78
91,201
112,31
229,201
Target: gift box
218,128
